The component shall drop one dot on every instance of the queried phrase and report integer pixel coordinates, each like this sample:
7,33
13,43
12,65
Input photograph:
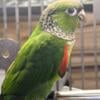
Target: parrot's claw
51,96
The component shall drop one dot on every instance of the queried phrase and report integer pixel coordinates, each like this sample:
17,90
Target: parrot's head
62,17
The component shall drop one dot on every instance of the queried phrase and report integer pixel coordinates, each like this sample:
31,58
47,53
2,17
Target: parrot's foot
51,96
1,97
67,83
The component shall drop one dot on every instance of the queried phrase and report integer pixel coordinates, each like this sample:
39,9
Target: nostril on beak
82,15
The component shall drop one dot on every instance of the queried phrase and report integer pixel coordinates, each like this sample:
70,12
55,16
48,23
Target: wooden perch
76,95
79,95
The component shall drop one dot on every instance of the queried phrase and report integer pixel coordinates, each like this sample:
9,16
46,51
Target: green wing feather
36,65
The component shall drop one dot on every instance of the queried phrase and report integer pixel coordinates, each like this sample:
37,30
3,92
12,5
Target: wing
37,62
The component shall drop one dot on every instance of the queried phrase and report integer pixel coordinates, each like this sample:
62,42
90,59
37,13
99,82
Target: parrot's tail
12,97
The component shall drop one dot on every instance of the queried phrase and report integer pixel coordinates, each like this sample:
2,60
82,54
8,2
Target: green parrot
44,58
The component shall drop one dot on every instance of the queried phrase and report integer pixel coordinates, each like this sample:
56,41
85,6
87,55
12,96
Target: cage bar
95,52
82,53
5,18
29,17
17,21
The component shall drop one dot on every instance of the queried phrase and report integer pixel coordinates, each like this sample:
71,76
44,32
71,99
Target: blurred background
18,19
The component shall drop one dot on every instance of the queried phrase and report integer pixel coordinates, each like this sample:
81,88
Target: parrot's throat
49,25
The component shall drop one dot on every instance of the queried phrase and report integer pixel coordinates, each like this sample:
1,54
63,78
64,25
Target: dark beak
82,15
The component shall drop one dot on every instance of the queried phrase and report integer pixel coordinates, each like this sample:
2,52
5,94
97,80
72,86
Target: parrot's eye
71,11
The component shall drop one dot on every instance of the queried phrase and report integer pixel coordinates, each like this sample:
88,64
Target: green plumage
37,65
30,74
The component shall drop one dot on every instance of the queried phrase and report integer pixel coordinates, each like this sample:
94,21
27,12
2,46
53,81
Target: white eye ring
71,11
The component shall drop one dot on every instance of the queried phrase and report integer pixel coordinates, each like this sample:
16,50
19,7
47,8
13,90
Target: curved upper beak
82,15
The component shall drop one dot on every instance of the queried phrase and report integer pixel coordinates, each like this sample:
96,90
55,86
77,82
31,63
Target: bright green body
44,58
38,69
